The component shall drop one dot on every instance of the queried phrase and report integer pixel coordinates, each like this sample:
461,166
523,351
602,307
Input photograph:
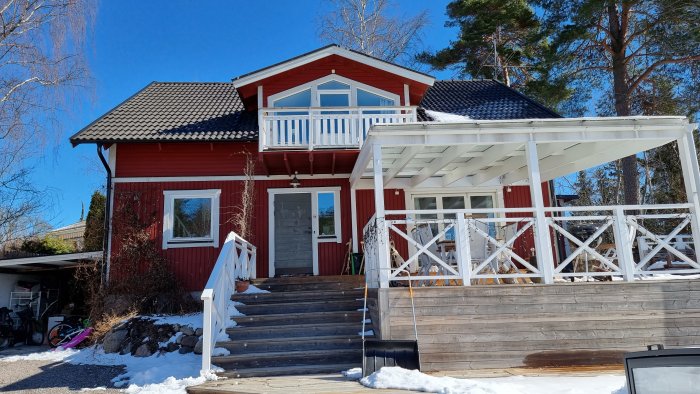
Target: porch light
295,181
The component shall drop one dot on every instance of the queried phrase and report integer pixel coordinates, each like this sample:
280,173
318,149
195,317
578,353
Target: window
439,202
191,218
327,215
334,91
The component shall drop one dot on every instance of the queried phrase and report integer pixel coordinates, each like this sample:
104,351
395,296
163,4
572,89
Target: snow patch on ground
446,117
58,355
194,320
366,333
353,373
399,378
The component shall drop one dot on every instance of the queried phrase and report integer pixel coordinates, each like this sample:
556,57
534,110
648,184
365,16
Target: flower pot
242,285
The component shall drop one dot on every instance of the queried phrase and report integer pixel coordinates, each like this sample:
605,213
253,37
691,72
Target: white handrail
236,260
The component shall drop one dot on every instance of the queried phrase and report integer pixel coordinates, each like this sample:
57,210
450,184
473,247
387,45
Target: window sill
203,244
328,240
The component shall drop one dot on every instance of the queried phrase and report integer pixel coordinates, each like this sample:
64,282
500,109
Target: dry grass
101,327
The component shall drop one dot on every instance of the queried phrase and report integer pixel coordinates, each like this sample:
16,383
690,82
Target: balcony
312,128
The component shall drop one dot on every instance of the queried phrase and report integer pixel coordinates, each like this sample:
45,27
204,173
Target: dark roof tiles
175,111
484,99
196,111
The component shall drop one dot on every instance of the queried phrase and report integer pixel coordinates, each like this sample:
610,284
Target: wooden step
289,370
309,279
298,330
298,296
292,344
299,318
289,358
309,286
301,307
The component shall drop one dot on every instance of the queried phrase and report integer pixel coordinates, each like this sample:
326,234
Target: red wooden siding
193,265
176,159
365,209
519,197
312,71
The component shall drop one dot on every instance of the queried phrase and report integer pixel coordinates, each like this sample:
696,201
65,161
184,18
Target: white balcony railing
478,246
319,128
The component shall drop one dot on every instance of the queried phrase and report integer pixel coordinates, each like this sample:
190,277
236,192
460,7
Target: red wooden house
304,120
349,148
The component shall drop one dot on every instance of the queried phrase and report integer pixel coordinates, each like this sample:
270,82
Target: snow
58,355
366,333
254,290
399,378
353,373
193,320
444,117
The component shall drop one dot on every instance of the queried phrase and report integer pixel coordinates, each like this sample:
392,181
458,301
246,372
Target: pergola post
382,233
691,178
545,261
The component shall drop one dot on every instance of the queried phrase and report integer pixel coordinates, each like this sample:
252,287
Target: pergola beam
493,154
512,164
408,154
449,155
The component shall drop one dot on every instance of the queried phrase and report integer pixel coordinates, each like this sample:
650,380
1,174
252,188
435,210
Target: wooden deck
510,326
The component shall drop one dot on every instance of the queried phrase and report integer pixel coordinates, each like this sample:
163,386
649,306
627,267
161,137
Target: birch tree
366,26
42,64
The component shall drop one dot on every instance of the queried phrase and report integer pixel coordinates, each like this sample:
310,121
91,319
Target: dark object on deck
395,353
390,353
663,370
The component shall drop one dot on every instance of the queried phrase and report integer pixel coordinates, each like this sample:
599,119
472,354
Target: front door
293,234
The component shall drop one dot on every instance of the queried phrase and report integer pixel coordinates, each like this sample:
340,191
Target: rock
185,350
113,340
198,332
189,341
187,330
176,327
121,326
143,351
172,346
198,346
179,338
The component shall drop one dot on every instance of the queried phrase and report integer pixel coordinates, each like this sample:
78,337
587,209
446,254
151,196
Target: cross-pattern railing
236,260
473,246
319,128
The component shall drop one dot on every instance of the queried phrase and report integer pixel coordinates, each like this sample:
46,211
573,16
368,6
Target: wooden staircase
305,325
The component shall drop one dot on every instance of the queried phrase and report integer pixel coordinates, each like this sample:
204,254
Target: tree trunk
618,33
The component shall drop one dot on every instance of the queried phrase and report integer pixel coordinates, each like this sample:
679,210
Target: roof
175,111
481,99
213,111
328,50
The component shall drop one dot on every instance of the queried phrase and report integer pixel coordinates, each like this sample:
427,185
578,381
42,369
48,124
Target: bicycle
63,334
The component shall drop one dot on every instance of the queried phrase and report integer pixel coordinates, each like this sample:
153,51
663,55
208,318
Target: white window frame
315,239
169,241
313,85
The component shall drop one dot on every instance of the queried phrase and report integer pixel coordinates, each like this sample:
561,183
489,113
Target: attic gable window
191,218
334,91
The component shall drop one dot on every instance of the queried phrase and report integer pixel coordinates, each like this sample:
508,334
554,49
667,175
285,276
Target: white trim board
224,178
328,51
315,240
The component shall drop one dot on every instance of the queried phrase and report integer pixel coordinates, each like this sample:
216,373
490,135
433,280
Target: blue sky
137,42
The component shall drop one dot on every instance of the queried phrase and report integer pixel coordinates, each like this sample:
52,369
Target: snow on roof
444,117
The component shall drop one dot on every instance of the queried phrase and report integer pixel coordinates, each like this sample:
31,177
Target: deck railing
473,246
236,260
325,128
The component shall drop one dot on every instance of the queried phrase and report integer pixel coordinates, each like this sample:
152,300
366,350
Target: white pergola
506,152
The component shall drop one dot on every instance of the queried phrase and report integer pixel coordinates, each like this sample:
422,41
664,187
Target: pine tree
94,223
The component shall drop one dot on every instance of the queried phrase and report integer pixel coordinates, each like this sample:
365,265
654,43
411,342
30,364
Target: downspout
108,207
558,251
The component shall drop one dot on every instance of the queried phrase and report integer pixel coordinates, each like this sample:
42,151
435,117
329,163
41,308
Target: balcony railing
325,128
482,246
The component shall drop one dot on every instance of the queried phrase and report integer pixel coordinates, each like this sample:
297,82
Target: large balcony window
332,112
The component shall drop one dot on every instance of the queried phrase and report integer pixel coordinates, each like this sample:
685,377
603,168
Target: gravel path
51,377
